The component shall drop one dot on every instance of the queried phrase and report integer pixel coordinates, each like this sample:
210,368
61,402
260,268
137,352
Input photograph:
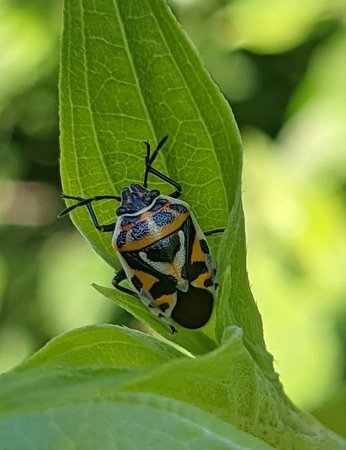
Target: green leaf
236,305
83,363
129,74
68,394
194,341
122,421
104,346
74,400
230,384
28,389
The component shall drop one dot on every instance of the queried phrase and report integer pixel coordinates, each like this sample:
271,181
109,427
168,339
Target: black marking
204,247
208,282
136,283
165,249
121,239
184,272
123,209
173,329
193,308
166,286
135,262
128,220
140,230
160,203
179,208
190,234
164,306
196,269
163,218
134,198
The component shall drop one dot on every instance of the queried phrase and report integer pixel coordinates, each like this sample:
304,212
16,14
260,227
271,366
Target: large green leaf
230,384
83,363
123,422
68,396
104,346
93,397
129,74
236,304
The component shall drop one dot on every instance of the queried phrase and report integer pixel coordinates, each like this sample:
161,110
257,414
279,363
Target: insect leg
173,329
119,277
178,191
103,228
149,160
219,230
84,201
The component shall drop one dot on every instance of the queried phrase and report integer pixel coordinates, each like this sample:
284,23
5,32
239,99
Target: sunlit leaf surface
128,74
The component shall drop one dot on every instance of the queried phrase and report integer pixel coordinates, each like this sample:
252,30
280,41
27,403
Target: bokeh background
281,65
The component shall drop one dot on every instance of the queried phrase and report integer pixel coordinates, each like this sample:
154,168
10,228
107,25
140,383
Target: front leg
103,228
119,277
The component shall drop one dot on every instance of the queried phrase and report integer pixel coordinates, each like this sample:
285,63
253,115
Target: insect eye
154,193
120,211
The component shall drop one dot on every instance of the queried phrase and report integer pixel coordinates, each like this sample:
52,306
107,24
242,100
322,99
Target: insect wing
194,307
201,265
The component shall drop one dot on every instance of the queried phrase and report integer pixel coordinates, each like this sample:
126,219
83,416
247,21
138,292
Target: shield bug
162,250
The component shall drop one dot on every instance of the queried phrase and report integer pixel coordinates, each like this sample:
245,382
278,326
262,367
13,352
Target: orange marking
197,254
199,281
164,299
127,227
145,278
147,215
131,246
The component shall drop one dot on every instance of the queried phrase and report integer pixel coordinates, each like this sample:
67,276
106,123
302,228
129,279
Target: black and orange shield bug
163,252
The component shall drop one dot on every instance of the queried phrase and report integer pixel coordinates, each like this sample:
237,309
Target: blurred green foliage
281,65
